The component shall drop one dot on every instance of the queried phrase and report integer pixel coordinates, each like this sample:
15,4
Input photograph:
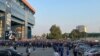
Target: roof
28,5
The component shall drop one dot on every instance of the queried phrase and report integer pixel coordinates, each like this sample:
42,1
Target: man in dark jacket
61,49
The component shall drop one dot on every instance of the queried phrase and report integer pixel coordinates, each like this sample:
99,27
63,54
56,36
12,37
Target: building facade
81,28
16,16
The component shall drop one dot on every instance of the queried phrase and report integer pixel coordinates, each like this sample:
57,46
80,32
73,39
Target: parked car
83,48
5,53
96,46
96,54
9,52
92,52
13,53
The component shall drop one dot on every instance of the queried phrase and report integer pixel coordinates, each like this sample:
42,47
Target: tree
55,32
75,34
43,36
49,36
65,35
83,34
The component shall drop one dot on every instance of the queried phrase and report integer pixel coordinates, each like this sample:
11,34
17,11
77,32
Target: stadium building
16,16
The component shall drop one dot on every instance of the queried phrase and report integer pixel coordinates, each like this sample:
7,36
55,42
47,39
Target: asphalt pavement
38,51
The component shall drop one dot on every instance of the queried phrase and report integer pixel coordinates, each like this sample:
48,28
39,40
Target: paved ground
37,52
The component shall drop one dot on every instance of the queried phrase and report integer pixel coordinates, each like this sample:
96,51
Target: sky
66,14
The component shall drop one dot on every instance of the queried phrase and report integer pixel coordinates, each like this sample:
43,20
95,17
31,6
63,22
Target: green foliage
75,34
83,34
93,34
55,32
65,35
43,35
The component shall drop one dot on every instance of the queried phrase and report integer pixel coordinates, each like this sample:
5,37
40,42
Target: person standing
56,52
75,49
61,49
15,47
68,49
67,52
28,50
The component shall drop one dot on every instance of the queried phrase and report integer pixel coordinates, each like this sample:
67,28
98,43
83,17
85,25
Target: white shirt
56,54
29,50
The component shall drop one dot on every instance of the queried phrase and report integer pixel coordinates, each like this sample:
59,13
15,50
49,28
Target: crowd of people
55,44
58,46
